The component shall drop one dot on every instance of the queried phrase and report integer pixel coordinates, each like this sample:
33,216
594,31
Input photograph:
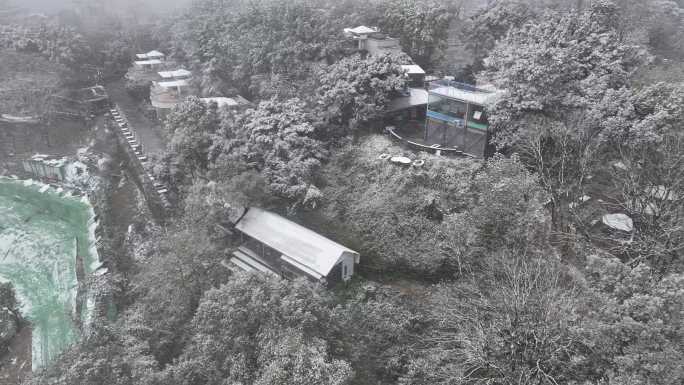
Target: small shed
415,74
274,244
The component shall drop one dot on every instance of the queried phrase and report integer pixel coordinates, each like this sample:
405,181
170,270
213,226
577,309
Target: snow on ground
39,232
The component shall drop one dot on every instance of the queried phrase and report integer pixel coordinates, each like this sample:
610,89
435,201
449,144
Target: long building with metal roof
276,245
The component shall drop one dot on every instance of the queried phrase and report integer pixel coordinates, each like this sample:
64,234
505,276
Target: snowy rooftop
360,30
180,73
618,222
413,69
50,160
148,62
461,91
154,54
302,247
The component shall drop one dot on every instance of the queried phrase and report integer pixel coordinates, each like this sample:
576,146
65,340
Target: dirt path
149,132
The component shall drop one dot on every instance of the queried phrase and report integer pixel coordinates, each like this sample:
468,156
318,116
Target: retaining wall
135,162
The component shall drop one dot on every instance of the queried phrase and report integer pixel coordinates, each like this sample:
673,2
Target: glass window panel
477,114
457,109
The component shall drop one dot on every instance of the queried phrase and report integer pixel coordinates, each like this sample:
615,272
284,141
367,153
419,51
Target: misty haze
342,192
51,6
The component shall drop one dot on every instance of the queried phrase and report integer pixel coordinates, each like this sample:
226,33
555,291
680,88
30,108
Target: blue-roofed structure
456,117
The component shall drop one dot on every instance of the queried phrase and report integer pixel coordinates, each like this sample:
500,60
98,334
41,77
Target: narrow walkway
148,132
133,146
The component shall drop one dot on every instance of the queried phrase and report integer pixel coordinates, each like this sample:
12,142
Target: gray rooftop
306,248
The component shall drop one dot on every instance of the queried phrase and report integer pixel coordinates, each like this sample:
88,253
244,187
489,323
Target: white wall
348,261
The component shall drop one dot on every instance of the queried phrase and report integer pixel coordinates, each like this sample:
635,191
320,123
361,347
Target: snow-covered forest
505,269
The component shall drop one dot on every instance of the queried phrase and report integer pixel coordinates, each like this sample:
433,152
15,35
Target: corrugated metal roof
297,243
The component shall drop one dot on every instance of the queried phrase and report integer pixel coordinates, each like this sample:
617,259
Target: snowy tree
487,26
242,39
184,264
551,69
191,126
356,90
517,323
642,131
639,324
506,213
553,72
421,26
277,140
105,356
261,330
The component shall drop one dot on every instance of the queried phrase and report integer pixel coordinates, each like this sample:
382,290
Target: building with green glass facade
456,117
